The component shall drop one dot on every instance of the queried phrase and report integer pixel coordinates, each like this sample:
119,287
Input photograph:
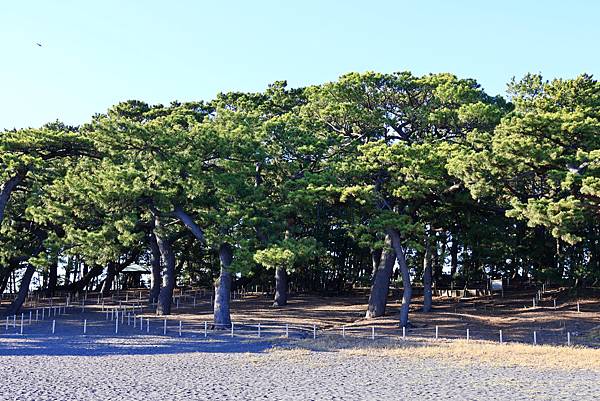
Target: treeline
320,188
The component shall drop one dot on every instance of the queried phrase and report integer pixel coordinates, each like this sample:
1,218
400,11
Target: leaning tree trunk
427,275
15,306
407,289
165,296
8,187
4,276
87,278
222,316
107,284
156,271
384,265
281,286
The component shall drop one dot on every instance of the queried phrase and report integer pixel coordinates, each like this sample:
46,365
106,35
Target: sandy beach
138,367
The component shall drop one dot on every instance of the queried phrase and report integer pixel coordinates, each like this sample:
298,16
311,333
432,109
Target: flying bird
39,44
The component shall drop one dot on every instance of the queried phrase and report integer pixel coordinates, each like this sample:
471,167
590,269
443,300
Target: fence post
578,310
500,336
534,338
205,329
30,313
117,325
147,324
180,328
53,326
259,330
468,335
165,327
568,338
343,331
436,331
6,323
84,326
404,332
231,329
314,331
372,332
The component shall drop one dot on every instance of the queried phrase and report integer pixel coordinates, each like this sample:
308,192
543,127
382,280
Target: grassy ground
456,352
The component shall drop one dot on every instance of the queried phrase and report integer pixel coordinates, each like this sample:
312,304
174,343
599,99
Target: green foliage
311,179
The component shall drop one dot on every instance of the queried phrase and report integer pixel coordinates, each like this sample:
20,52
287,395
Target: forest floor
146,364
485,316
553,319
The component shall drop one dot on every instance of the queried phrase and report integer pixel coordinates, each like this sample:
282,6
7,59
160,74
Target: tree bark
165,296
427,274
4,276
52,277
439,258
111,272
15,306
281,275
281,286
8,187
87,278
383,268
222,315
376,255
453,257
407,289
156,270
189,223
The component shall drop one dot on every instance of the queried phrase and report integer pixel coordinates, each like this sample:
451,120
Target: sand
141,365
137,367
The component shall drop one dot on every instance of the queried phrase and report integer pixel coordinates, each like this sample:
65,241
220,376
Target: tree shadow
97,346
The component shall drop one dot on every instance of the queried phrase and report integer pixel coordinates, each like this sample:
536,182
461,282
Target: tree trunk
156,270
107,284
165,296
381,281
4,276
222,316
427,274
440,257
189,223
407,289
80,285
281,286
8,187
375,260
52,277
15,306
453,257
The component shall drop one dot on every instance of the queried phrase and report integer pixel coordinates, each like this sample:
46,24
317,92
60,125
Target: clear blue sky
96,53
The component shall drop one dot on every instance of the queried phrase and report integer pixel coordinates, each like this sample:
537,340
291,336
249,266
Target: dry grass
456,352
